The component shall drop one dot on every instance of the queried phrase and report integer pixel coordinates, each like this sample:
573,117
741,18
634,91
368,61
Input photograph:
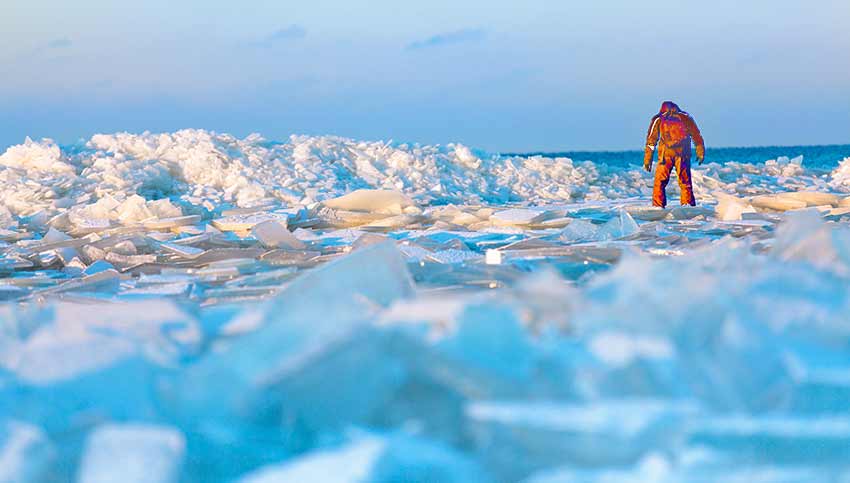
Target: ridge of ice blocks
191,306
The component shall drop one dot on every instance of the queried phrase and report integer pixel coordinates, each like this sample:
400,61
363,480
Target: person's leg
683,172
662,177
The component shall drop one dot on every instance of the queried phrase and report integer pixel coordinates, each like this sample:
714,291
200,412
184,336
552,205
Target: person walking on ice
671,131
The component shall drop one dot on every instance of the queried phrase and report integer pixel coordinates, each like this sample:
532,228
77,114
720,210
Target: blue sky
496,75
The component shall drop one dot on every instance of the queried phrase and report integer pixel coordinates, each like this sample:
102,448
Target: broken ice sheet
127,261
453,256
247,222
165,223
55,243
374,201
14,263
25,452
731,208
777,439
372,277
350,464
83,226
11,292
529,436
450,277
184,251
35,279
222,254
647,213
579,231
194,239
777,203
689,212
106,281
88,341
144,454
349,219
238,292
272,277
619,226
397,221
12,235
176,289
395,457
691,464
517,216
274,234
298,258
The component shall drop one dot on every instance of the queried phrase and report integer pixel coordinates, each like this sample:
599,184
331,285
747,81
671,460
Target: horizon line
637,150
539,152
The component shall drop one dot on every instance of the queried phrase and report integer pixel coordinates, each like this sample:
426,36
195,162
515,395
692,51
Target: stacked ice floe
729,363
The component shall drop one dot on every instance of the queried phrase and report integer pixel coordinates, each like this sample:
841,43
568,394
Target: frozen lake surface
195,307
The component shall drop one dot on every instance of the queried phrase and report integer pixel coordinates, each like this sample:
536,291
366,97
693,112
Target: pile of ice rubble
193,307
730,364
202,171
214,218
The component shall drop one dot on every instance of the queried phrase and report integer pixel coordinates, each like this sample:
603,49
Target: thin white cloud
59,43
449,38
286,34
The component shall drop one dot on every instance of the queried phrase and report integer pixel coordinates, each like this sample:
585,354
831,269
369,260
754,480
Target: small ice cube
493,257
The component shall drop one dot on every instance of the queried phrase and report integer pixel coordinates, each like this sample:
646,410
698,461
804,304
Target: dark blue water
814,157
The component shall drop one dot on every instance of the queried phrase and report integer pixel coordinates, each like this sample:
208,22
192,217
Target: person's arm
693,131
651,143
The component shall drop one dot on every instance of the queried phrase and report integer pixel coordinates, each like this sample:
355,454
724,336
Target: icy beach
191,306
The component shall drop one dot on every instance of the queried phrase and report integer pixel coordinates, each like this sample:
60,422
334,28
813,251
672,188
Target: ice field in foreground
196,307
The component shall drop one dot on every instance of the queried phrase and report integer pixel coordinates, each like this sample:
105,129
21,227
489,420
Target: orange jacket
678,146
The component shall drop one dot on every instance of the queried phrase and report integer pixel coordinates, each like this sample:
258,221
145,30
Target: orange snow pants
678,158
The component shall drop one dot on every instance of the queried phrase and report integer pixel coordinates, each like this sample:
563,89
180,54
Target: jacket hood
668,106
